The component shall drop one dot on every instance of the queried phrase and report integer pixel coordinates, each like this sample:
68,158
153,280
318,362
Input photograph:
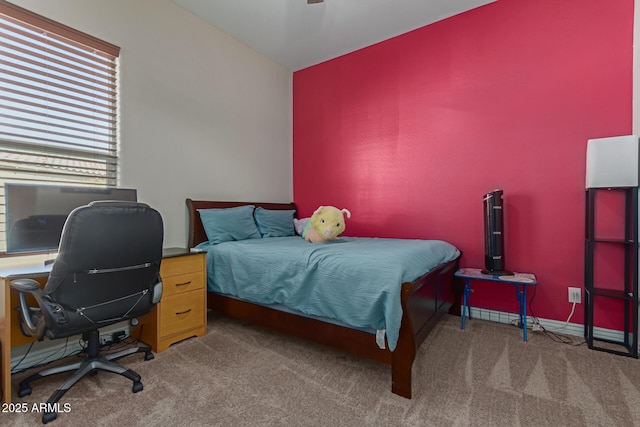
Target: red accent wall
409,133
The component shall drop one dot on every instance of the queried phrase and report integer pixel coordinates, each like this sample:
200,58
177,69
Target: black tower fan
494,234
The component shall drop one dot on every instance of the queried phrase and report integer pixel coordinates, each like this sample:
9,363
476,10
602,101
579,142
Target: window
57,105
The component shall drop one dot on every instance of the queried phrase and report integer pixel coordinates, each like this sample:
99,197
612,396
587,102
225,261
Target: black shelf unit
627,292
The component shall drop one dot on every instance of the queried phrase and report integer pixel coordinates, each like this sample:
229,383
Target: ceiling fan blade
314,1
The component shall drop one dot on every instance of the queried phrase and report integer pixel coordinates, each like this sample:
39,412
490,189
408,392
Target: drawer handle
183,312
184,284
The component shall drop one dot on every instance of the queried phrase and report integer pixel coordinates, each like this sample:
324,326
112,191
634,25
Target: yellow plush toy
326,223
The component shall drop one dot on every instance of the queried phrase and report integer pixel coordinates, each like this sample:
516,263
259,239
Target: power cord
13,371
559,338
46,359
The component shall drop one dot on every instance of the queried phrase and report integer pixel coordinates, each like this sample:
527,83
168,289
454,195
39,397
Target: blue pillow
275,223
224,225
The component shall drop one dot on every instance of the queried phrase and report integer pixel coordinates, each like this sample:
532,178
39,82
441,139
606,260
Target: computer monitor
35,214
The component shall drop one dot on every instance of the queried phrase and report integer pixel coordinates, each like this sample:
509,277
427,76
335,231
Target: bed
420,301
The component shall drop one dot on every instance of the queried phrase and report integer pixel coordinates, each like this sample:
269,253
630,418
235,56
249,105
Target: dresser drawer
181,312
172,285
181,265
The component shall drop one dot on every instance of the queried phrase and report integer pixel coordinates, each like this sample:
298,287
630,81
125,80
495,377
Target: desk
11,335
519,280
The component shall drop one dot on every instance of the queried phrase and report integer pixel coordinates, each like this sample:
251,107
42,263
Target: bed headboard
196,230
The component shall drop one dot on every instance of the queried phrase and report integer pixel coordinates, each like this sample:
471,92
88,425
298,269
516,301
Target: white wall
201,114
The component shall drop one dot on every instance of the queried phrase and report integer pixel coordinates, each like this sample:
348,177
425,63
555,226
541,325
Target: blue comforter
356,281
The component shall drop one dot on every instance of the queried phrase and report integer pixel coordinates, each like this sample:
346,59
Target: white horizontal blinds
58,112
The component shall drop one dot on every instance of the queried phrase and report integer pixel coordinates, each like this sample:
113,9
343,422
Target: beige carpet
241,375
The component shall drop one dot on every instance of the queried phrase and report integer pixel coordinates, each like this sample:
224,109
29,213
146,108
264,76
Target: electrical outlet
575,295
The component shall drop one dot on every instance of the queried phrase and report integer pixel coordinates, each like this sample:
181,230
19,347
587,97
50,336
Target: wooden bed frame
424,301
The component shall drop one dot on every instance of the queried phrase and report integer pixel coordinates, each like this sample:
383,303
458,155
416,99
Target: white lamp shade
613,162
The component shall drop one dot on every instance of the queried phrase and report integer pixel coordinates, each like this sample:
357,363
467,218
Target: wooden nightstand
182,311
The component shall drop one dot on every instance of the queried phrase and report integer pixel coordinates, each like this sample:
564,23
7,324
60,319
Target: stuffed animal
326,223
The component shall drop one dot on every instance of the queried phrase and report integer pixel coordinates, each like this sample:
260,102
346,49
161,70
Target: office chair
106,271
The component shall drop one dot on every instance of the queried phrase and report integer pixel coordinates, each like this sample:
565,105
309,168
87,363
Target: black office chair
106,271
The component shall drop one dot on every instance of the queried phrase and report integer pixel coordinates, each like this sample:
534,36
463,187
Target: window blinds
58,104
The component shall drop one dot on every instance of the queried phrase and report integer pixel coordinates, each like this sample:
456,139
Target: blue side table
520,280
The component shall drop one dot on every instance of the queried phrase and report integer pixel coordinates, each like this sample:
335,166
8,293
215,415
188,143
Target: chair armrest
30,325
25,285
157,292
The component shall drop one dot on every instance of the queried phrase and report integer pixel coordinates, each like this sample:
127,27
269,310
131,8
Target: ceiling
297,35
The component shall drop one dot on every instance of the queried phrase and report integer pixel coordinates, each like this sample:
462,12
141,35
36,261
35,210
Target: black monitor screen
35,214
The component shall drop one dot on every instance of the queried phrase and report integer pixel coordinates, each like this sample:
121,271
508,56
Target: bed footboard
424,302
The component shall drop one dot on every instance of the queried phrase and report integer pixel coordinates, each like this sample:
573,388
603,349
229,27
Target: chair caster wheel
137,387
49,416
149,356
93,372
24,391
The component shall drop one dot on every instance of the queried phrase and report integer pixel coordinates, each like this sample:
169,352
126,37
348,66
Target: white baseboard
575,329
27,356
